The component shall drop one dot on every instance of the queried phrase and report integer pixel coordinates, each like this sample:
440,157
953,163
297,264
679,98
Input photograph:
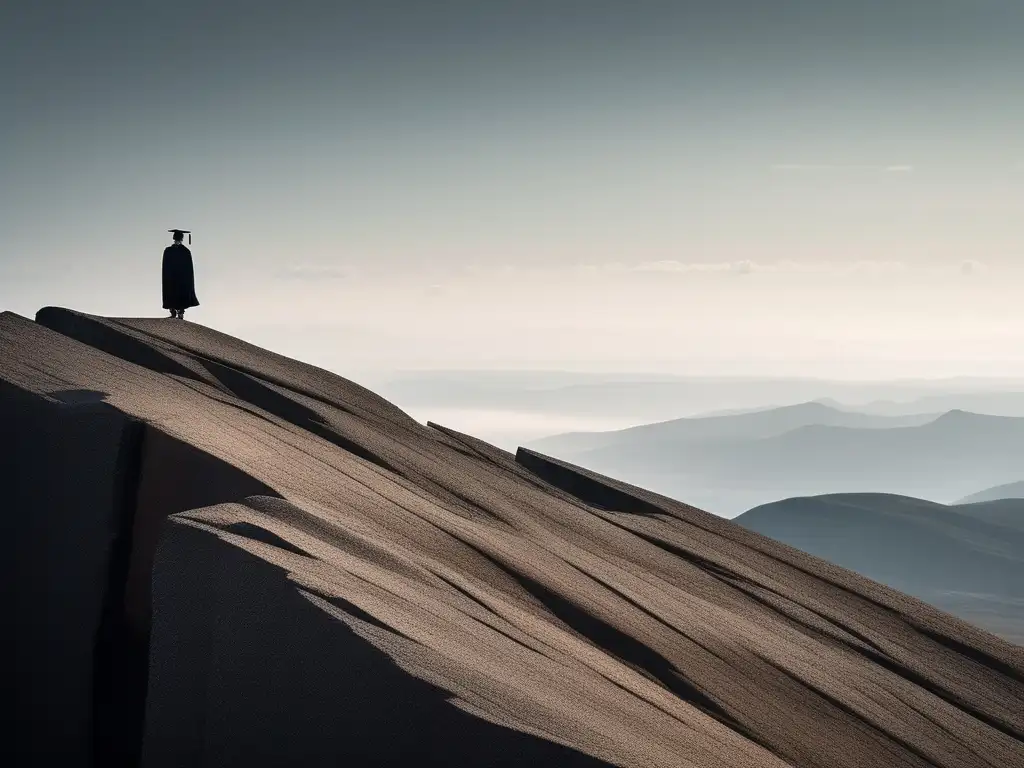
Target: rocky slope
224,557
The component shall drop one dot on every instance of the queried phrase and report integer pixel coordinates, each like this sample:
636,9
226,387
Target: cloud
676,266
743,267
972,267
799,167
828,168
313,272
747,266
876,267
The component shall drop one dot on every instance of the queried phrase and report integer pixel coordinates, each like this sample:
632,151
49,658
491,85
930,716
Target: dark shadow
585,486
120,654
255,392
106,338
259,533
1016,730
851,713
283,682
80,396
472,446
68,470
158,476
207,344
618,644
596,492
248,387
498,459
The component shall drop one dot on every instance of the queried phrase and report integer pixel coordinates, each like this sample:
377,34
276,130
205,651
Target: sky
741,187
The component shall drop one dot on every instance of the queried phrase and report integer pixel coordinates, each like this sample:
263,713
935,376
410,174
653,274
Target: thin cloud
876,267
747,267
313,272
677,266
972,267
800,167
828,168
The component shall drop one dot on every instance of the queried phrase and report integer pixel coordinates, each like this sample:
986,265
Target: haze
743,188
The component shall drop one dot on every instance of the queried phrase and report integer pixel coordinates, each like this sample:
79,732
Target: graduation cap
179,232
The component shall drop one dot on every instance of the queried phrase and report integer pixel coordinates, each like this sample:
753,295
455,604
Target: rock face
223,557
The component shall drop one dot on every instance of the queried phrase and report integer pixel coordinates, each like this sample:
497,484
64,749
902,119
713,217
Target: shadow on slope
122,343
179,348
266,397
333,698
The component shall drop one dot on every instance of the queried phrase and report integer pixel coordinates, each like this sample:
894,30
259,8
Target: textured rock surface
333,582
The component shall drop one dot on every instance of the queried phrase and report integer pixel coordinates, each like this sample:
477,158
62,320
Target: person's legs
181,314
174,313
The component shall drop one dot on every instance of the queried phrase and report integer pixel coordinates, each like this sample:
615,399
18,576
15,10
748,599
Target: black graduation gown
179,278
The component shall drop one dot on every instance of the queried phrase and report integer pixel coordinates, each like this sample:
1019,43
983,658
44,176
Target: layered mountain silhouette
993,403
222,557
648,398
732,463
1006,491
1005,512
745,425
966,559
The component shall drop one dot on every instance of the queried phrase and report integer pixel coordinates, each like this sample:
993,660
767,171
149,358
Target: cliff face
224,557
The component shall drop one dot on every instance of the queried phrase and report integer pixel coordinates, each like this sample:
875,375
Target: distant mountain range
648,397
991,403
728,464
965,559
1007,491
745,425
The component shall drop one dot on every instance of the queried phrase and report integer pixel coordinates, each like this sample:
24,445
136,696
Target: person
179,280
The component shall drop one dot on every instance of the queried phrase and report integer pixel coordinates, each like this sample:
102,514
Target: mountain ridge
732,467
768,422
1005,491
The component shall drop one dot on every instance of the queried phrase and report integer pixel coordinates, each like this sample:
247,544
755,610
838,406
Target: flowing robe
179,278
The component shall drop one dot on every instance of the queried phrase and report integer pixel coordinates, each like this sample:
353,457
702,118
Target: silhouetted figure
179,276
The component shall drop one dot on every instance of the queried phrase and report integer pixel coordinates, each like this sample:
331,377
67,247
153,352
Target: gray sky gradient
827,186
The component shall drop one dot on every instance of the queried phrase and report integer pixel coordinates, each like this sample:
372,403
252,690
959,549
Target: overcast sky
743,186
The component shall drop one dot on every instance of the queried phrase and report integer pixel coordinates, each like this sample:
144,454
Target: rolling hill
730,472
968,560
992,403
1006,491
747,425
